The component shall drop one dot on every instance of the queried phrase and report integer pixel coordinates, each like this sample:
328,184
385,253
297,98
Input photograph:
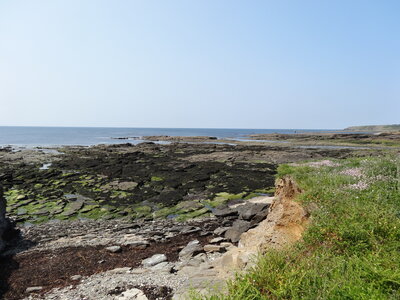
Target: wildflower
353,172
361,185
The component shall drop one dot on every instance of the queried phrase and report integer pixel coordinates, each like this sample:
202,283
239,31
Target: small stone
76,277
114,249
120,270
154,260
140,245
205,233
212,248
21,197
193,230
220,230
33,289
227,245
217,240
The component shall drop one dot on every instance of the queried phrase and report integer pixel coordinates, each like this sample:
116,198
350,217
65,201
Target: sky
199,64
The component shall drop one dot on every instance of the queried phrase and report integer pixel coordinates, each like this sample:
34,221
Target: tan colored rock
286,188
212,248
217,240
227,245
283,226
122,270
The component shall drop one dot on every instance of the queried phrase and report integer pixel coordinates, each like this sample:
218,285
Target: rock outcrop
283,226
3,220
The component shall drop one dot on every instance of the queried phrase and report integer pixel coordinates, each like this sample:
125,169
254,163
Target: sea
29,137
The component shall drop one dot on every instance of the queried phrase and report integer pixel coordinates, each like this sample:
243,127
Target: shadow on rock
11,242
7,266
14,243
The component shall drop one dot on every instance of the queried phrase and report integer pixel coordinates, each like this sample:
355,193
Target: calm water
86,136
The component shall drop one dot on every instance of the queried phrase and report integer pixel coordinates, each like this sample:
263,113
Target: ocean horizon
36,136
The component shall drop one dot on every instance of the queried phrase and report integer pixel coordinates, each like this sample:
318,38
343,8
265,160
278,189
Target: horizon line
123,127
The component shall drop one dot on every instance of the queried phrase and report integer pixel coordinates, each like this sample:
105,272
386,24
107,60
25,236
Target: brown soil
51,269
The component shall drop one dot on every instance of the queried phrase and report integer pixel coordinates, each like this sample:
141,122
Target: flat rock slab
225,212
247,212
164,267
191,249
154,260
136,244
73,208
220,230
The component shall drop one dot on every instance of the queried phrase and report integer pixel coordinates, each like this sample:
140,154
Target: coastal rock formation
106,209
284,225
285,222
3,221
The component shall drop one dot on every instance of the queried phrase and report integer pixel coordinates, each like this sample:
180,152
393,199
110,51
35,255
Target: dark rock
225,212
74,208
248,211
3,220
260,216
238,227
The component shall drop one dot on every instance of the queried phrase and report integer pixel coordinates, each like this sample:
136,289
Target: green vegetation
371,142
351,249
156,178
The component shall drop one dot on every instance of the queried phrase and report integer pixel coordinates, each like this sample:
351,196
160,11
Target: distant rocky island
393,127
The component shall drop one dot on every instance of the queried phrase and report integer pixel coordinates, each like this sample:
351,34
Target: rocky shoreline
165,247
89,218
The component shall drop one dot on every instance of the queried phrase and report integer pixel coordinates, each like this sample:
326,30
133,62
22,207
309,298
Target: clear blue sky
223,64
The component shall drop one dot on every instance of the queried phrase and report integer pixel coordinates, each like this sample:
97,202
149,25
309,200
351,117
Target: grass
351,250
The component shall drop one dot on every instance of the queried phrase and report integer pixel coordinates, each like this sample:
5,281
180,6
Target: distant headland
393,127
